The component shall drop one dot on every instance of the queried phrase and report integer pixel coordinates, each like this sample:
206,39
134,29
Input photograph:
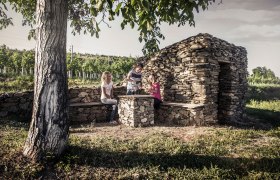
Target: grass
221,153
265,111
263,103
16,84
273,106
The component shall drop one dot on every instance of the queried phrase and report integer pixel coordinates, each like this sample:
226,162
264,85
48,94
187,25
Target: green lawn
220,153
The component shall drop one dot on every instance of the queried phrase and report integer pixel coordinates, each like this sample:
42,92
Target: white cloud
249,16
249,4
255,31
276,8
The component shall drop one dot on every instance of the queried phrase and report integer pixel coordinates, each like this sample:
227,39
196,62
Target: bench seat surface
86,104
182,105
164,104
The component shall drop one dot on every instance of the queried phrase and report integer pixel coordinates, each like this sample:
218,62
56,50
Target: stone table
136,110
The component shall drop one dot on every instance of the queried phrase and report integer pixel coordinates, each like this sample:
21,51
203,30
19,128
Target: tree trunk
49,127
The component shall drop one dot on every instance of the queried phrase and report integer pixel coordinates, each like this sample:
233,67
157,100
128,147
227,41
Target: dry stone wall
98,112
136,110
181,114
89,113
20,104
84,95
202,70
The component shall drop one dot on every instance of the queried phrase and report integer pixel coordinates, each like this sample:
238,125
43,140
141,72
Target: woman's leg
129,92
157,103
113,102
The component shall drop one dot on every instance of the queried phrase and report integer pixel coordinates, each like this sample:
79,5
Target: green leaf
97,27
132,24
100,5
149,26
118,7
122,25
133,2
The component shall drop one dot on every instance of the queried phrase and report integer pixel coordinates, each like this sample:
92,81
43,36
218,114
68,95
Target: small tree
3,59
263,75
17,58
27,62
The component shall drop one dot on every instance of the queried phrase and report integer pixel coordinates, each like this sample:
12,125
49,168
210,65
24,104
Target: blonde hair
150,78
104,76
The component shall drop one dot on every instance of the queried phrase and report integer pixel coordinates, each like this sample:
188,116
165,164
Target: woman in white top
107,93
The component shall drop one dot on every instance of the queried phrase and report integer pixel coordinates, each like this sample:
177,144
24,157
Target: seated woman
107,94
154,90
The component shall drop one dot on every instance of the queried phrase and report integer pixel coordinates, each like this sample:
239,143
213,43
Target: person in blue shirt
134,78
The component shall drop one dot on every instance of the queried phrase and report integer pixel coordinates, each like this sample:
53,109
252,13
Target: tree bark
49,127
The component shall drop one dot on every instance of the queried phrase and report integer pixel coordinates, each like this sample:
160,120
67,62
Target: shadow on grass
12,121
263,93
106,159
264,116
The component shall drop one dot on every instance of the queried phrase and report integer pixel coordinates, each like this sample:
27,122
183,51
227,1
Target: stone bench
181,114
89,112
171,113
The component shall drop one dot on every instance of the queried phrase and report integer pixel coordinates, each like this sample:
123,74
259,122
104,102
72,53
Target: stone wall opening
224,90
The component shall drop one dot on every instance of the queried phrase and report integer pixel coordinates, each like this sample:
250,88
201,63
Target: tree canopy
263,75
86,16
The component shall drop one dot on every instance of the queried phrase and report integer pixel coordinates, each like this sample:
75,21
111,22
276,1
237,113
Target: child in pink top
155,91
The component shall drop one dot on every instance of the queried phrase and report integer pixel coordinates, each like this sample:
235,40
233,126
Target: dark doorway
224,100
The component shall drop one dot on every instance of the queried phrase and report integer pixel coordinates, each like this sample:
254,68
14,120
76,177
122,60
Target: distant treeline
85,66
263,75
88,66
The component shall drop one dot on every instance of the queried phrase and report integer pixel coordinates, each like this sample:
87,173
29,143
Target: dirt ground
123,132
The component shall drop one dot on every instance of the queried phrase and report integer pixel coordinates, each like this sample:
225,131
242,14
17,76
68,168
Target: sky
253,24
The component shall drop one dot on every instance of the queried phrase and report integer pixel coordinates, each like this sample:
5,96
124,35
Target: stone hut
203,80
